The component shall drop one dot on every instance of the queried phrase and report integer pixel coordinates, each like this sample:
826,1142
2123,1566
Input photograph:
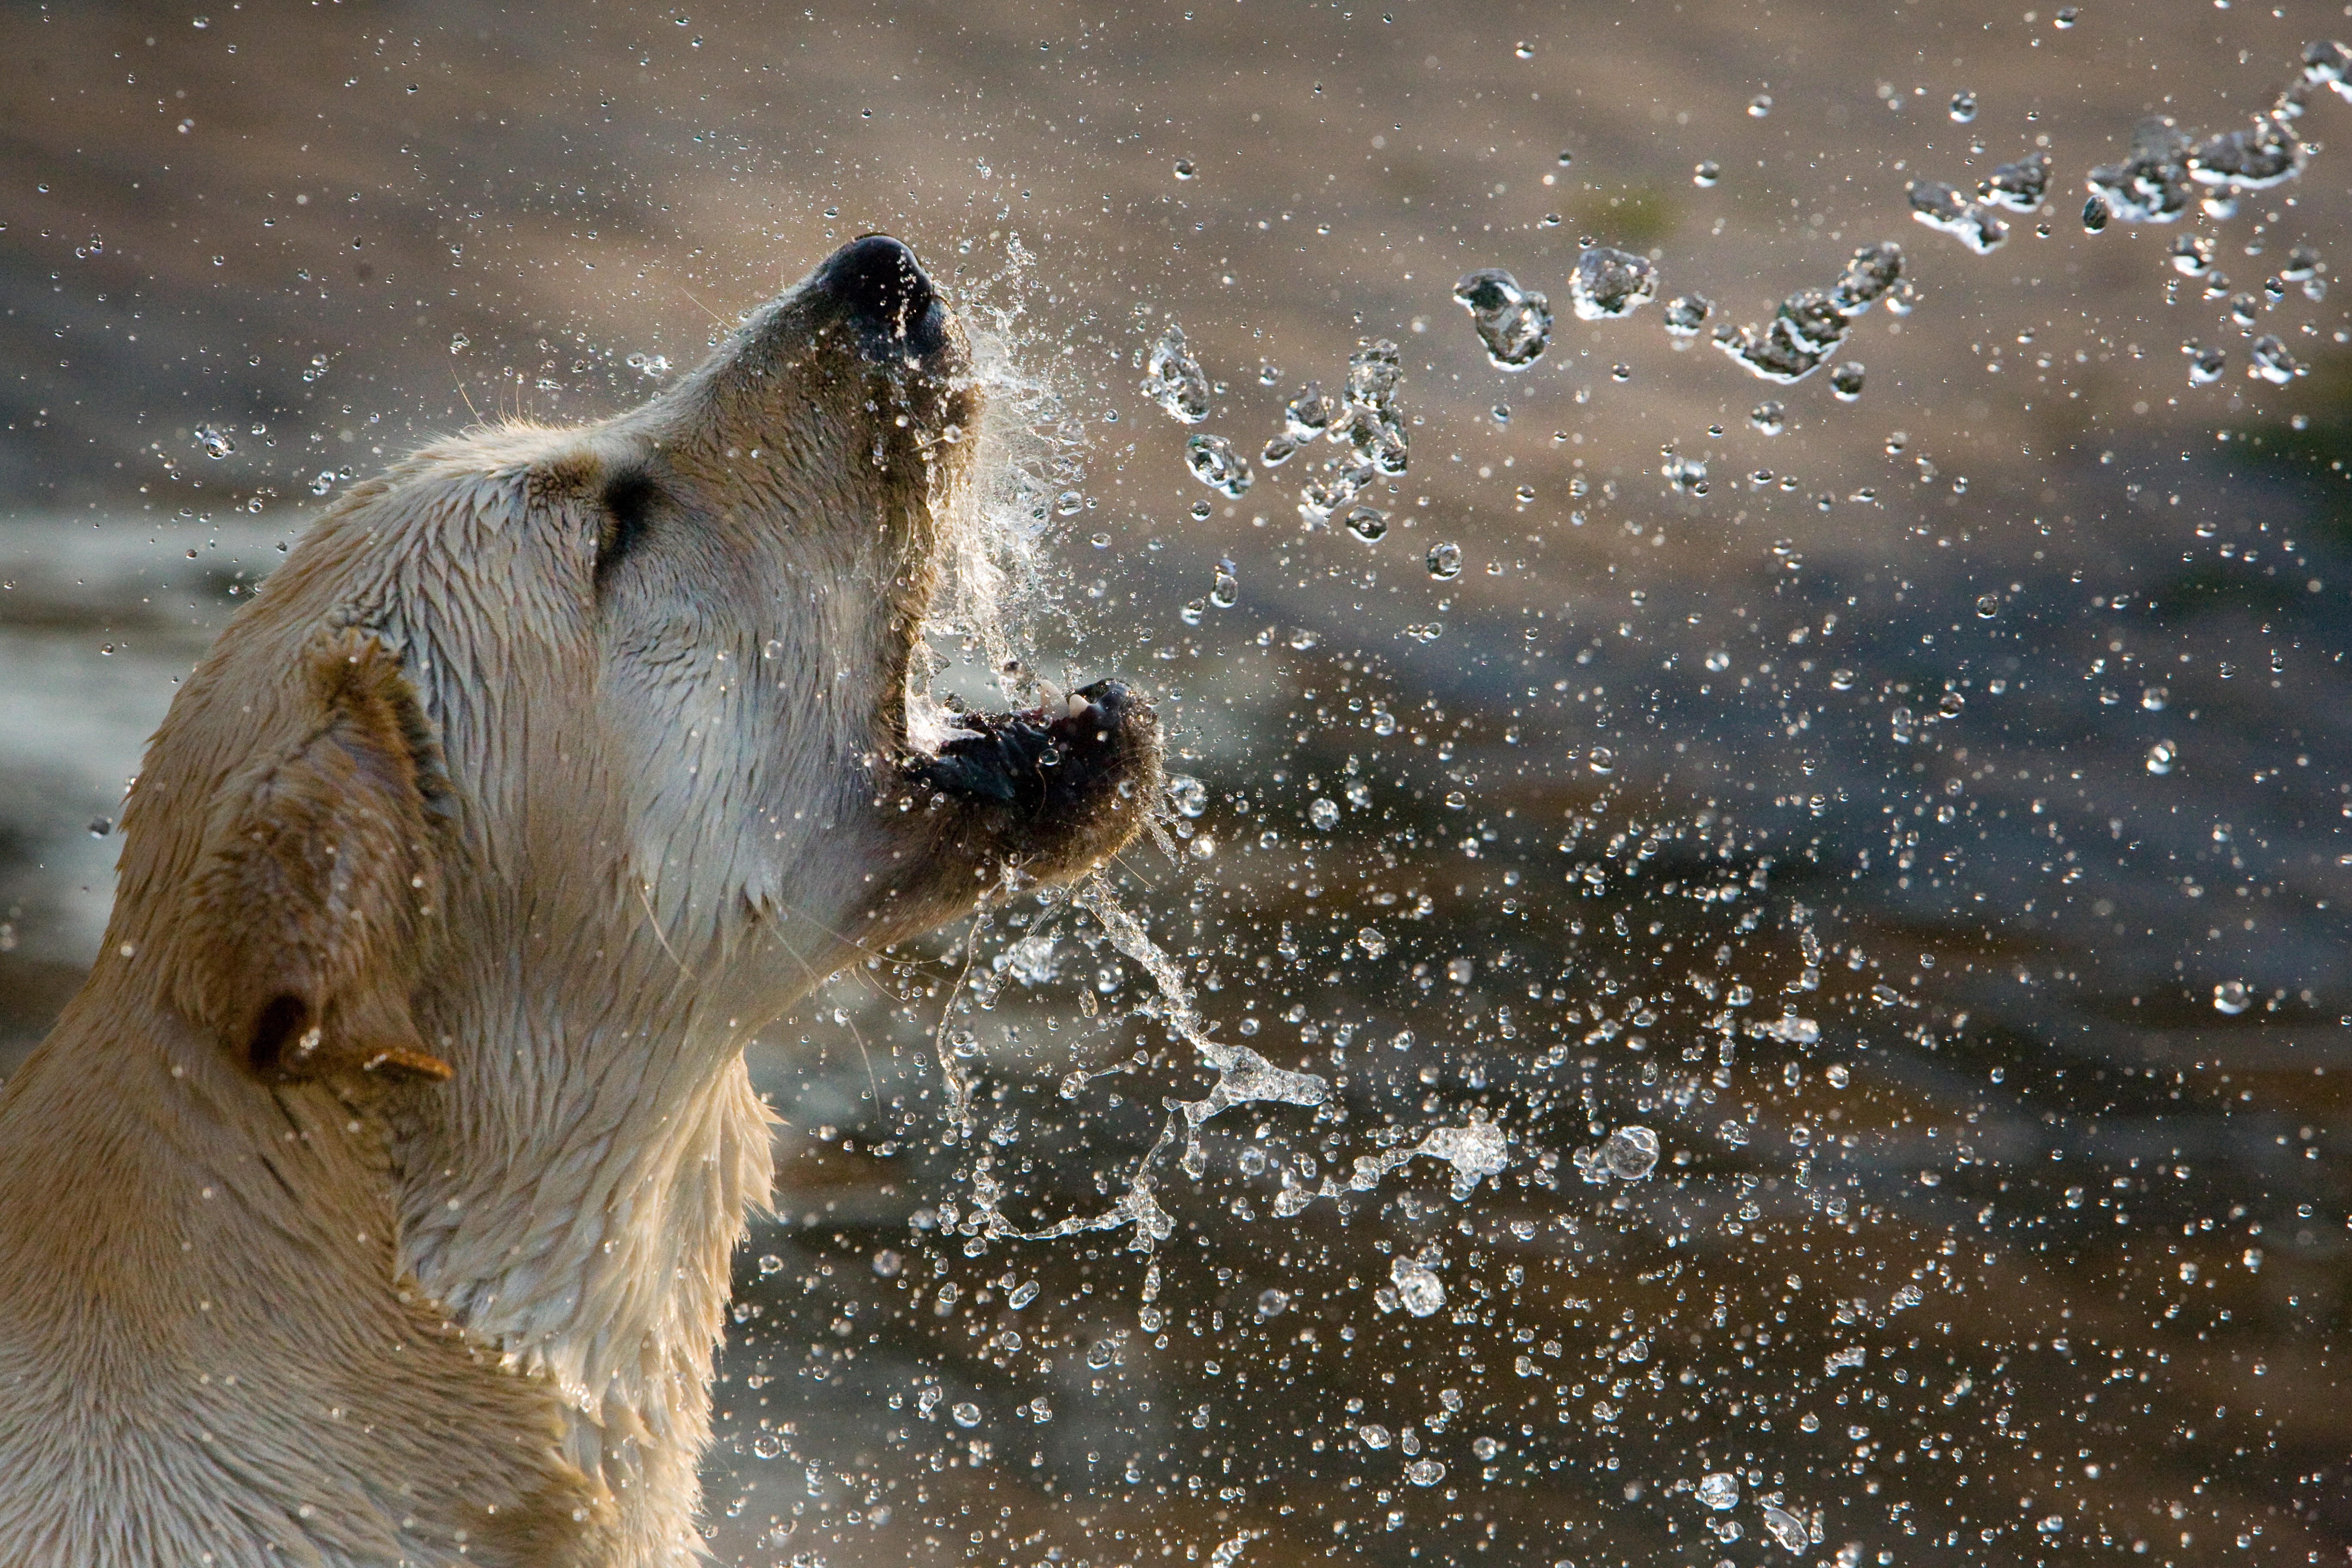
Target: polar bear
373,1202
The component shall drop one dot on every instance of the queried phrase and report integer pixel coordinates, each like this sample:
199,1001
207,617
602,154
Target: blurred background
1922,814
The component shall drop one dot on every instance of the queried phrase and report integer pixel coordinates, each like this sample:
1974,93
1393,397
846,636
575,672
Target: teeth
1048,694
1078,706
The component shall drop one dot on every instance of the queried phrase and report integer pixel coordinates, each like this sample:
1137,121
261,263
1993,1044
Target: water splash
1811,322
1216,464
1515,324
1608,283
1945,210
2020,186
1174,378
1243,1078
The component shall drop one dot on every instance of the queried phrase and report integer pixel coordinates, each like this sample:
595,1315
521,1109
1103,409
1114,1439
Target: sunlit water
1724,977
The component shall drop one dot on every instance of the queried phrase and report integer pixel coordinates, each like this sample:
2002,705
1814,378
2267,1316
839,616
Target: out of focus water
1998,1075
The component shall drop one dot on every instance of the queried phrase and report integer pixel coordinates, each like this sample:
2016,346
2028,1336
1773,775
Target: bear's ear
321,880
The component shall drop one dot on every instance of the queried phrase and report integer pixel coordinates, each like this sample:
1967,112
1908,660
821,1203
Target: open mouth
1042,783
1047,761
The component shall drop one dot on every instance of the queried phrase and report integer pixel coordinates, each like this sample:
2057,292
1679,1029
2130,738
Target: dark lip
1035,762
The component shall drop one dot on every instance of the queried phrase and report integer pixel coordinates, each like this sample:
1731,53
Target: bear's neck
574,1199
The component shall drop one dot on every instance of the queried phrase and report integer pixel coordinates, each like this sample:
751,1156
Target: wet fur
373,1201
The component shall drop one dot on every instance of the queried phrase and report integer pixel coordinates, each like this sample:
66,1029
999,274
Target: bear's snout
878,281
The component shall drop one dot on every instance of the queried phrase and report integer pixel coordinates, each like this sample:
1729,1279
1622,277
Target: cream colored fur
374,1202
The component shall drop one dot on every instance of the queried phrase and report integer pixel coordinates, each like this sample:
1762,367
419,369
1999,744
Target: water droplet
1373,1435
1301,639
1367,523
1513,323
1100,541
1424,1472
1987,605
1565,158
1631,1154
1760,105
2152,183
1685,474
1524,50
1273,1303
1445,562
1609,283
216,444
1418,1289
1602,760
2268,360
1174,378
649,364
1718,661
1686,313
2066,17
1768,417
1846,381
1945,210
1373,371
2019,187
1225,588
767,1446
1896,442
1192,611
1184,170
459,342
1023,1295
1720,1491
1278,451
1216,465
2230,997
1621,373
1324,814
2095,213
99,827
2162,756
1188,795
1964,106
1705,174
1310,414
887,1263
1787,1530
966,1414
2154,698
1841,680
769,1264
1837,1074
1372,941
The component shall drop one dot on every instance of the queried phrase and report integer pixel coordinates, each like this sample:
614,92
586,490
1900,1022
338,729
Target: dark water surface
1998,1076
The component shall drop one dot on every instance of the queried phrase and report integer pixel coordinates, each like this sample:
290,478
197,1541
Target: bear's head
614,719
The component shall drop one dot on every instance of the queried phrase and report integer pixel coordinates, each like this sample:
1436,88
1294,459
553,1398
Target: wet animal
372,1201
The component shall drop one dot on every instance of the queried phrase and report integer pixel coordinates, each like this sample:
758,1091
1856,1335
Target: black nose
878,280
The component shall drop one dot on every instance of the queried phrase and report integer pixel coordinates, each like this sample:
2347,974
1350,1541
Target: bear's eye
628,515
